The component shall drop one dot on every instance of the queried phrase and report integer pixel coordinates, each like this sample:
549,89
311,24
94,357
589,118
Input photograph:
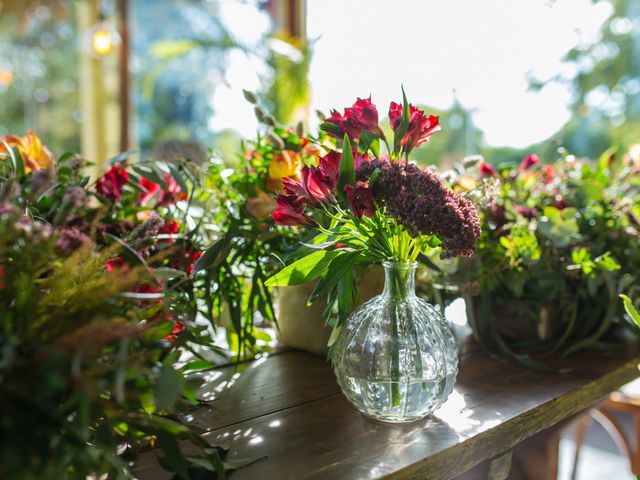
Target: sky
480,51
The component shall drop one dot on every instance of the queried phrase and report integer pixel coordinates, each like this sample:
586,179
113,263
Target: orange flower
283,164
262,206
34,154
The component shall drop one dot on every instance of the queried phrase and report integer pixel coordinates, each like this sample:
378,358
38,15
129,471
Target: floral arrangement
368,207
100,301
559,244
246,242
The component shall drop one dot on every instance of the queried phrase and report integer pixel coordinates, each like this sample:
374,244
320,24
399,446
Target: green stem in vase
398,287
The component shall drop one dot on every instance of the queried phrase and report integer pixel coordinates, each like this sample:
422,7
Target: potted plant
94,318
559,244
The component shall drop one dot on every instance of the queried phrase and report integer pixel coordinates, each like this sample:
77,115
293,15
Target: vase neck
399,281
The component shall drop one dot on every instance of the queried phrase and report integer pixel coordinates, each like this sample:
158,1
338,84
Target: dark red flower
497,215
111,183
290,211
70,239
528,162
361,117
420,128
313,188
559,202
526,212
316,184
329,166
487,170
172,194
423,204
361,199
148,288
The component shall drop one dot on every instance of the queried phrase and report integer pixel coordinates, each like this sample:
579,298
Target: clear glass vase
396,359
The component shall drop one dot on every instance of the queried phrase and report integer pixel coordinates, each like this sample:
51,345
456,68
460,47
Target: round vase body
396,359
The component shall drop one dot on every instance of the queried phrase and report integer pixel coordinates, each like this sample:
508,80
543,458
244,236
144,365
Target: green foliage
560,242
630,309
99,299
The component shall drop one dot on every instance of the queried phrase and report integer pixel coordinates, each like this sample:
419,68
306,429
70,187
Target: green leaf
404,123
118,159
152,174
237,463
195,365
607,158
335,333
178,178
16,159
607,262
209,256
304,270
630,309
168,388
331,128
167,273
129,251
347,168
337,269
173,458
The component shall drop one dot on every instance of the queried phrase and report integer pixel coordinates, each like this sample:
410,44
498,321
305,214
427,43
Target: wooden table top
288,409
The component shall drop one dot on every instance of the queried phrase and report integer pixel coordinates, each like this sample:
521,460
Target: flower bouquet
99,304
559,244
394,357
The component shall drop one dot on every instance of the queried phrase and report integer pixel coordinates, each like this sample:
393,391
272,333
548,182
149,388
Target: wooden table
288,409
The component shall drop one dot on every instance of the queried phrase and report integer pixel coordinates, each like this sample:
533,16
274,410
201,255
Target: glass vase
396,359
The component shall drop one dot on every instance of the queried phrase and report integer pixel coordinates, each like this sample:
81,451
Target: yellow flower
283,164
467,183
35,154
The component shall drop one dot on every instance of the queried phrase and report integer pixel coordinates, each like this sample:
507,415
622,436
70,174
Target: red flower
528,162
170,227
487,170
1,276
191,258
549,174
290,211
172,194
111,183
115,264
361,199
361,117
148,288
421,126
178,327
